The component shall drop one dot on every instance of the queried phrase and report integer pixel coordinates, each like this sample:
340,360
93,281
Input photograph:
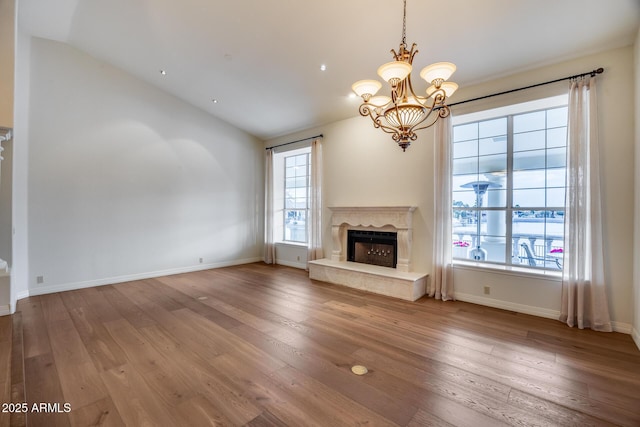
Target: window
296,200
508,185
291,191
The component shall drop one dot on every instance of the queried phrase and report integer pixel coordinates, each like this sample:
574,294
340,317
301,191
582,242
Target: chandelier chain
404,25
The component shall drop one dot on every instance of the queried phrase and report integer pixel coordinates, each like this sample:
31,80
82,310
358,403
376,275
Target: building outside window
508,185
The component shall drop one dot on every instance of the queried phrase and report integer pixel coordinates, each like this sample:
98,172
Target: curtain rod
293,142
588,73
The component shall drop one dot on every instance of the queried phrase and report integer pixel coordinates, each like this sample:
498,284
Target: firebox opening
372,247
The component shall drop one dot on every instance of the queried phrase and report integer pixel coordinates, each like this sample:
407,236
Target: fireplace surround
400,282
397,219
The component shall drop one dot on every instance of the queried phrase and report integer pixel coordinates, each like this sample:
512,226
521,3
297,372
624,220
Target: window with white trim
508,185
292,190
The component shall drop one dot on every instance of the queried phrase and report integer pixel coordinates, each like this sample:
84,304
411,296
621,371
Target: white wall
125,181
291,255
636,234
19,203
364,167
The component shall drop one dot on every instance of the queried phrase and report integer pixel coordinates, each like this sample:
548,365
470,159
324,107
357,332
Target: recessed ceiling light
215,101
323,67
163,72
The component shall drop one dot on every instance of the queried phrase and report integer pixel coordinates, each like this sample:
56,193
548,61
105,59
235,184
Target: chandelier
404,112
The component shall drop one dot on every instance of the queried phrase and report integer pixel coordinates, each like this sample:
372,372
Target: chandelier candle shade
404,112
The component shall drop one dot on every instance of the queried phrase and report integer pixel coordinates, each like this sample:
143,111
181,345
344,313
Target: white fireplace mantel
389,218
400,282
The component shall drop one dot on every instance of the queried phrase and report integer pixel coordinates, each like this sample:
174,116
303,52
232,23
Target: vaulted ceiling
260,59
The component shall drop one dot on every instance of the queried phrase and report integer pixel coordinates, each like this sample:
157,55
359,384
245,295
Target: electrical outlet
39,279
298,257
487,290
200,260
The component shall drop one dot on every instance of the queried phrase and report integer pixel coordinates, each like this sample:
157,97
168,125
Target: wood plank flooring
260,345
5,366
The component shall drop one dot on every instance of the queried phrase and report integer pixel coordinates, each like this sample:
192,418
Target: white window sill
293,244
555,276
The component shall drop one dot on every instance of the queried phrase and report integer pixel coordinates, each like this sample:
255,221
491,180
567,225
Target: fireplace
371,232
387,219
372,247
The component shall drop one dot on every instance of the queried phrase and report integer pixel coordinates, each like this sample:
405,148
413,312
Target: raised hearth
400,282
408,286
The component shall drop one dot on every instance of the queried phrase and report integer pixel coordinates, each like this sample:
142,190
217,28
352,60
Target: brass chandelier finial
403,113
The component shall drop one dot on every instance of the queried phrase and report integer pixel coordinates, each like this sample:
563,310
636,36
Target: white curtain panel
315,203
269,246
584,299
441,283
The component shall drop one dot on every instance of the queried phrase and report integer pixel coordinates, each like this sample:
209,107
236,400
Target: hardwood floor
5,366
262,345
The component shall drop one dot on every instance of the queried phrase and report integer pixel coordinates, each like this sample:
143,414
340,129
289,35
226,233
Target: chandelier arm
417,97
415,129
385,128
427,108
442,113
438,100
367,110
438,97
413,52
400,91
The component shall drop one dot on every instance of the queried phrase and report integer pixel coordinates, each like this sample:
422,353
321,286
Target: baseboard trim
138,276
506,305
635,334
5,310
291,264
18,297
624,328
